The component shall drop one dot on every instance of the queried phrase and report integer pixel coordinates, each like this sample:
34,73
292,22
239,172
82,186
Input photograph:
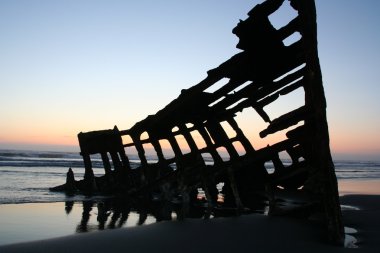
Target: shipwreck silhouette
263,72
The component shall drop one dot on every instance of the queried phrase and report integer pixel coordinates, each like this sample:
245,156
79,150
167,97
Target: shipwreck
265,71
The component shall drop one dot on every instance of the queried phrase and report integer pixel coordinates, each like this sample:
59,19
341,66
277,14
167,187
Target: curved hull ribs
205,120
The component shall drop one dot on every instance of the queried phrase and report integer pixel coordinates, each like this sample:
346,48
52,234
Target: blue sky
71,66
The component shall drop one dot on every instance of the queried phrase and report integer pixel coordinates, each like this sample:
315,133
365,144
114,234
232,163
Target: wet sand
255,233
366,220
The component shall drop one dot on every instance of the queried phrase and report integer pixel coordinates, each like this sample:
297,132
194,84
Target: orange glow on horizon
340,142
354,143
40,139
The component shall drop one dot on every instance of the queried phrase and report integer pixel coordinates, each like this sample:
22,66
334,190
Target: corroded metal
265,71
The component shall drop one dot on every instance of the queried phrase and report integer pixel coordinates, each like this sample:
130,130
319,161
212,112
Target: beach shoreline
238,234
57,222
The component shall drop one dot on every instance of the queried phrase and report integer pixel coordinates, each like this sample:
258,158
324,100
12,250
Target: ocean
26,176
29,211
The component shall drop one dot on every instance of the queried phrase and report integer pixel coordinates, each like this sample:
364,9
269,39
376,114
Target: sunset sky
82,65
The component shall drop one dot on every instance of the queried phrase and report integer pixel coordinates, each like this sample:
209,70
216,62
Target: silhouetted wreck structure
265,71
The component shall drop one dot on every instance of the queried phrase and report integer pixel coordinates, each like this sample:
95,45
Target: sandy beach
253,232
124,124
36,220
